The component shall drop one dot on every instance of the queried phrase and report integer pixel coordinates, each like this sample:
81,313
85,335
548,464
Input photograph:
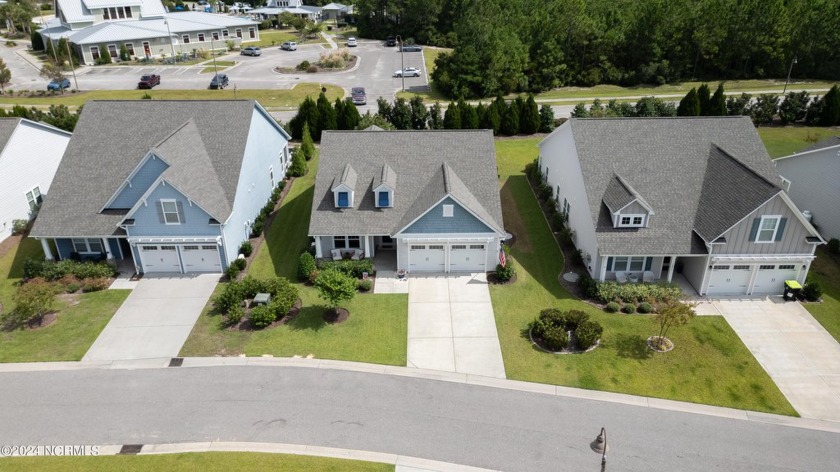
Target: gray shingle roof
427,165
666,161
7,128
827,142
387,177
112,137
347,178
617,196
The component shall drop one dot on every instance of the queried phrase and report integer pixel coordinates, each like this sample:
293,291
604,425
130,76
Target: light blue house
172,186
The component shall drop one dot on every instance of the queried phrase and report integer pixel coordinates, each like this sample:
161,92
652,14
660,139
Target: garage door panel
160,258
427,257
467,258
729,279
201,258
771,278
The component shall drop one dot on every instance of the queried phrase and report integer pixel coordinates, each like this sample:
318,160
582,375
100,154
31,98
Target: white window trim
448,211
346,240
185,38
33,202
627,261
390,203
163,209
87,248
116,54
778,219
201,37
619,224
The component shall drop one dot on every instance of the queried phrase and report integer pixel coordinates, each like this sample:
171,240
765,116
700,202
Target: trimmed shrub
52,270
588,286
611,307
629,308
555,338
355,269
232,272
235,314
365,285
19,226
262,316
239,264
633,293
246,248
812,291
95,284
504,274
306,265
283,296
573,319
833,245
32,268
251,286
302,66
72,287
588,333
645,308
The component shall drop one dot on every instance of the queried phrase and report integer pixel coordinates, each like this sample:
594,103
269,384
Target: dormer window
383,199
631,221
343,199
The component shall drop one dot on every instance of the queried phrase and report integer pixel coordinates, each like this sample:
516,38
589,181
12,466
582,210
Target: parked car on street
251,51
391,41
148,81
359,96
219,81
411,48
59,85
289,46
408,72
351,42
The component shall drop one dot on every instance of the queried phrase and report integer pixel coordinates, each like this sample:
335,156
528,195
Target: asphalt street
459,423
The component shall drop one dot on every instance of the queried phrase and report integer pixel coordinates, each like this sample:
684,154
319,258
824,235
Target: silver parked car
408,72
289,46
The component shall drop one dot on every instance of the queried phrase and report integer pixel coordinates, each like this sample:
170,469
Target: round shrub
239,264
812,291
504,274
246,249
232,272
573,319
555,338
611,307
588,333
365,285
283,296
252,286
645,308
235,314
588,286
552,317
72,287
302,66
306,265
232,295
262,316
629,308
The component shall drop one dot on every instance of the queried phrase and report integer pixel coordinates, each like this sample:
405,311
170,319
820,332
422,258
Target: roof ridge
748,168
170,135
446,183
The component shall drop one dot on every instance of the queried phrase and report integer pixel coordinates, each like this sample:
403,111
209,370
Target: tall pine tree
529,117
510,120
326,117
704,96
830,113
689,105
718,103
452,117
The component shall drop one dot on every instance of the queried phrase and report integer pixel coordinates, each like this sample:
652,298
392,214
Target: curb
469,379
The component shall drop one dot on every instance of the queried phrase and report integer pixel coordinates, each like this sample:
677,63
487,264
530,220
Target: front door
146,49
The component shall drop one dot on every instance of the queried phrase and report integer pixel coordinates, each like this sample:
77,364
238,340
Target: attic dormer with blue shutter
384,186
627,208
344,188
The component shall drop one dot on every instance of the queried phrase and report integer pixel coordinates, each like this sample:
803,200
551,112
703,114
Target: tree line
504,46
58,115
519,116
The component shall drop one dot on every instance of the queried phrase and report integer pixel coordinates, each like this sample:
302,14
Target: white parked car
289,46
408,72
351,42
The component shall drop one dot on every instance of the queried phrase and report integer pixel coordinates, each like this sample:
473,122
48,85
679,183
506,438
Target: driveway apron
451,326
798,353
155,319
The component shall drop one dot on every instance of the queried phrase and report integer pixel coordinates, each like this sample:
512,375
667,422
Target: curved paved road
460,423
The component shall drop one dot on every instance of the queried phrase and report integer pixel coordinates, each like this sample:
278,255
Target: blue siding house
436,210
174,187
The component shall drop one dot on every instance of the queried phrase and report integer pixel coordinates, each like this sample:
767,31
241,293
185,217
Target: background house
699,197
813,182
29,156
431,198
296,7
174,187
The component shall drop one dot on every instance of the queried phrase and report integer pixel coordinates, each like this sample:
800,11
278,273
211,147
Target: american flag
502,258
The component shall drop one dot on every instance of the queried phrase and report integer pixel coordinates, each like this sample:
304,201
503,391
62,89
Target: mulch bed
492,279
332,317
245,324
291,70
42,321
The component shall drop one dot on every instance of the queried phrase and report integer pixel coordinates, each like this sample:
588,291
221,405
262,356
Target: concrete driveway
155,319
798,353
451,326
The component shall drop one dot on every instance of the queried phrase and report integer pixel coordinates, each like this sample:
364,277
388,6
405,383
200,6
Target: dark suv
391,41
219,81
148,81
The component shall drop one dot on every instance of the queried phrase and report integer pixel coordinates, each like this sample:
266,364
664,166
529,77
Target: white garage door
204,258
467,258
426,258
729,279
160,258
771,278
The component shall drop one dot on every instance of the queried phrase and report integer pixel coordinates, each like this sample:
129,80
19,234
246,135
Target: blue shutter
754,230
781,229
609,264
648,262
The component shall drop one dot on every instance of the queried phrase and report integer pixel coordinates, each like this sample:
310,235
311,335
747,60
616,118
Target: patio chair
647,277
621,277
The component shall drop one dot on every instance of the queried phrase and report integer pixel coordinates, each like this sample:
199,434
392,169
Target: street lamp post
788,77
171,43
402,61
213,52
600,446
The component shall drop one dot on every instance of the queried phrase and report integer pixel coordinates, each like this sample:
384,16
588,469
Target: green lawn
376,331
710,365
269,38
784,141
219,65
80,318
267,98
825,270
198,462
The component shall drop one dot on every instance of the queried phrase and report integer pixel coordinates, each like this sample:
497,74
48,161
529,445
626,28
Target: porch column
365,247
372,247
318,247
107,247
603,274
671,268
47,252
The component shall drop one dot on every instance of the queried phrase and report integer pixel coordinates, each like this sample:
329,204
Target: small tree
104,55
368,120
717,107
830,113
37,41
32,300
510,119
401,114
5,76
53,72
298,167
351,114
307,147
529,119
124,53
435,116
704,96
764,108
674,313
794,107
326,117
419,113
452,117
689,105
546,119
335,287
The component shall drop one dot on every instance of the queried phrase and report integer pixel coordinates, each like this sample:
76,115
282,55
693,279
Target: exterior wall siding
29,160
815,186
558,152
461,221
148,220
793,238
140,183
64,247
161,47
266,145
694,270
114,245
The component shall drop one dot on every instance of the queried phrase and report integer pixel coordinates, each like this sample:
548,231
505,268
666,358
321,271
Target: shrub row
51,270
632,293
235,267
352,268
259,220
